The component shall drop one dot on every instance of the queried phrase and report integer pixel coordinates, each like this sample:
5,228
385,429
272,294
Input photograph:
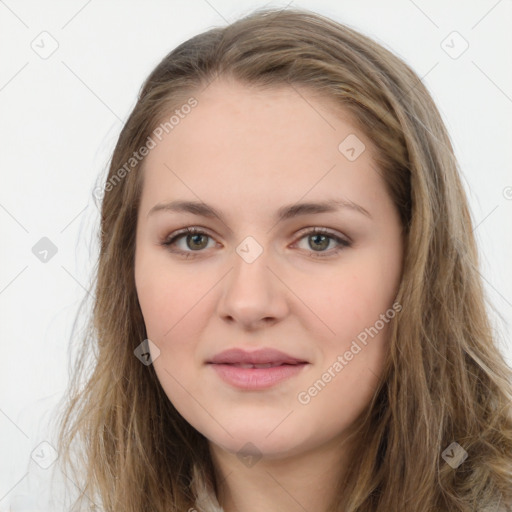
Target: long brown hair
445,380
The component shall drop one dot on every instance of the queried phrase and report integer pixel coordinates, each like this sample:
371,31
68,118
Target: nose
253,294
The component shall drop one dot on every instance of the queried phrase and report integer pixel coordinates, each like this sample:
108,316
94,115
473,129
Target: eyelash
171,240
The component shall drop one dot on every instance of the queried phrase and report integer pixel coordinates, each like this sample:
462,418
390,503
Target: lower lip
257,378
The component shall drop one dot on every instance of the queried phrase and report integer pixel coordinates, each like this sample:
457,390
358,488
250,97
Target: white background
60,118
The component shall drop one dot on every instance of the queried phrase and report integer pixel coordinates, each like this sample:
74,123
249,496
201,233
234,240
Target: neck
304,482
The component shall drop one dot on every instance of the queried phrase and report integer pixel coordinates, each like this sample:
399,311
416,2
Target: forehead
247,143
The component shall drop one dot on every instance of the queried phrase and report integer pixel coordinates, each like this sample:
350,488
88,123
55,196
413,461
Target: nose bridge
251,291
250,261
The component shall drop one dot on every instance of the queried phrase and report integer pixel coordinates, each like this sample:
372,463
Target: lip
260,356
232,367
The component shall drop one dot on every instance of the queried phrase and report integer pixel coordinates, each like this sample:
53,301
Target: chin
255,442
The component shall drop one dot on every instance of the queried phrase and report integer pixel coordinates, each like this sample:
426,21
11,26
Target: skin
248,152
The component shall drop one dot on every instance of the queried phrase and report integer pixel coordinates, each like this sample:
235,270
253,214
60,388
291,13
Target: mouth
259,366
261,358
255,377
257,370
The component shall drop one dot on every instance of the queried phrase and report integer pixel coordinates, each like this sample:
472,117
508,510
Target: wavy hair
445,379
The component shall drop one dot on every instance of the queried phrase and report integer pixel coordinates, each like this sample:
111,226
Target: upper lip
260,356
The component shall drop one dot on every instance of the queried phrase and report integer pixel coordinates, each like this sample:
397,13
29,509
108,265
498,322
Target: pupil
321,236
194,237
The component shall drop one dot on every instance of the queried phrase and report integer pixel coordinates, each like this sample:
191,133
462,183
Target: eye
320,238
196,240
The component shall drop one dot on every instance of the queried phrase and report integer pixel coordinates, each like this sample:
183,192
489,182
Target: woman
288,312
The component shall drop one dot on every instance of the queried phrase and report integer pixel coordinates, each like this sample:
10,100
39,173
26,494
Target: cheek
171,309
358,311
352,359
351,297
167,297
174,316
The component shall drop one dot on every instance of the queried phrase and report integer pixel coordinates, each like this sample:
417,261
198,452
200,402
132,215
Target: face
317,284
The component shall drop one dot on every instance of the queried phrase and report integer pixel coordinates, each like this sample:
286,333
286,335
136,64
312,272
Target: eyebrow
284,213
